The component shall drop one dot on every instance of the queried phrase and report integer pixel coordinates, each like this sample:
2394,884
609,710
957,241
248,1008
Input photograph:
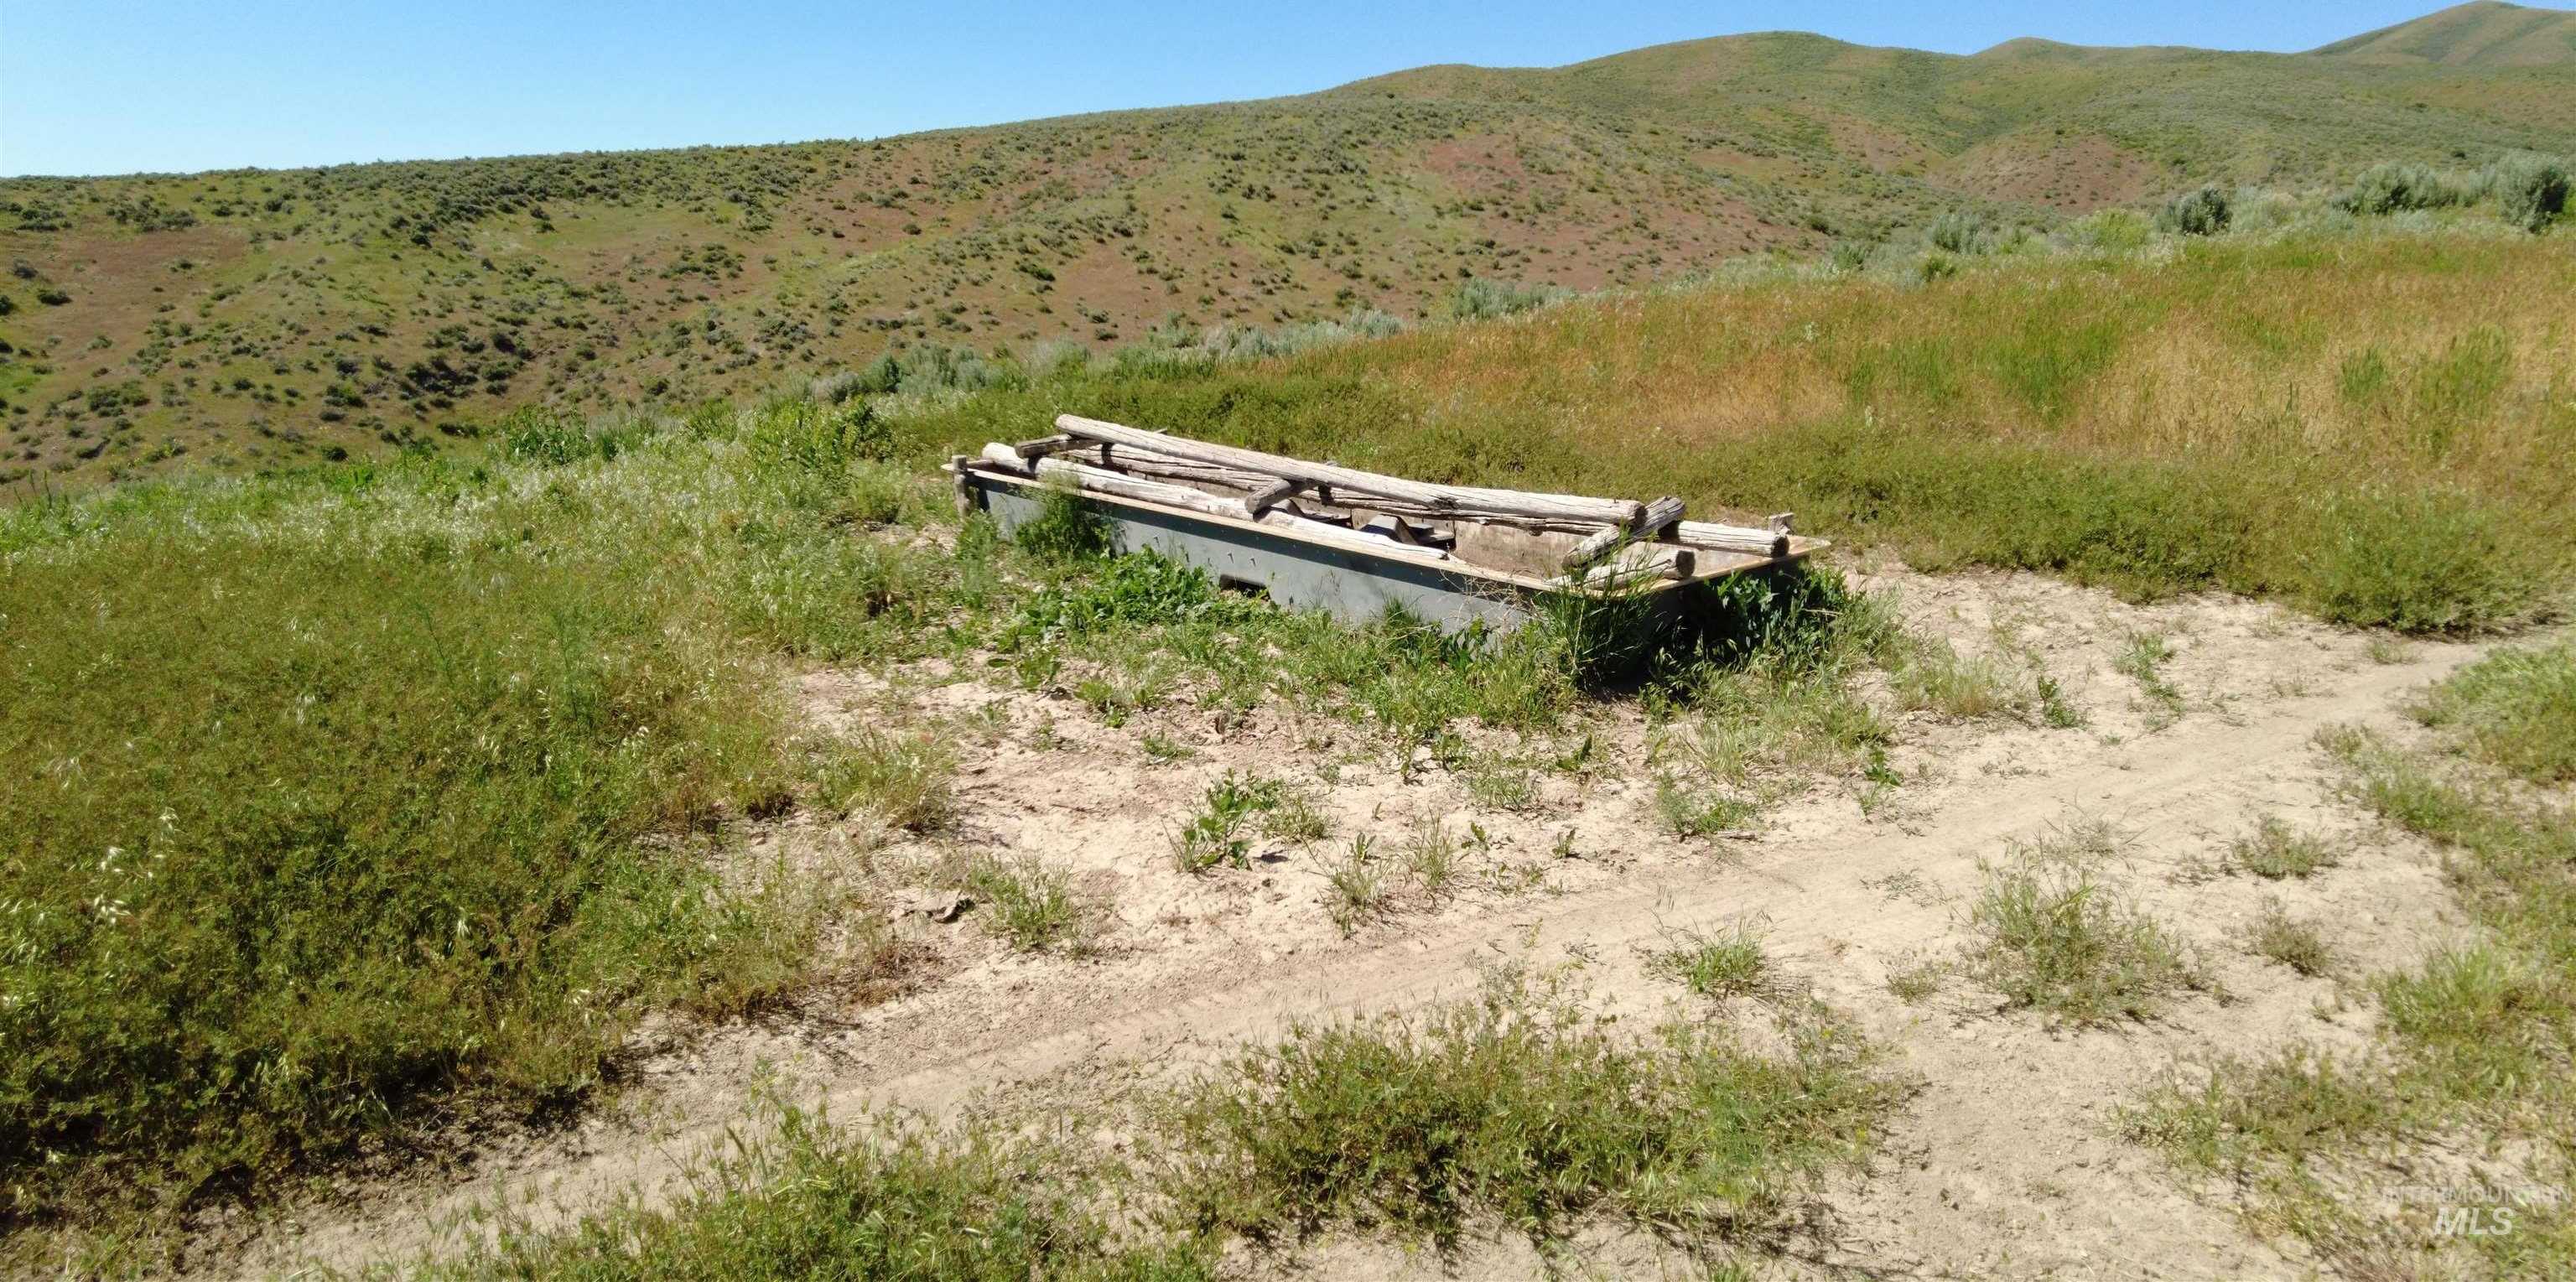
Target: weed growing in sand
1915,984
2060,942
906,781
1689,809
2293,943
1033,906
1517,1108
1727,962
1358,884
2142,659
1216,834
1431,857
1294,815
2275,850
879,1200
2056,711
1934,676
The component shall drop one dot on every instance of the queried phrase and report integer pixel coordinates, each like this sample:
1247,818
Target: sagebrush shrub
2530,190
2394,186
1962,232
2196,213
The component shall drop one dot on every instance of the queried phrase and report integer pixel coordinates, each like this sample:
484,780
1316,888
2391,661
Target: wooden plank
1148,463
1635,563
1087,477
1731,538
1440,499
1282,519
1271,496
965,488
1043,446
1659,515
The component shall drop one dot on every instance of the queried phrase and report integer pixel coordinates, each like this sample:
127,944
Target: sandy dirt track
2006,1161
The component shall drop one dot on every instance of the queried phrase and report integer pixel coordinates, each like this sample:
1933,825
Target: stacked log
1623,542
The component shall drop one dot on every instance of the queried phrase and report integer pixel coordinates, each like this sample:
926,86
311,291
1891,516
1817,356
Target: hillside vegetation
254,319
2371,423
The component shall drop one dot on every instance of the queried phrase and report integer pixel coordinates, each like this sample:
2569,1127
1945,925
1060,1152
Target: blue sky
113,86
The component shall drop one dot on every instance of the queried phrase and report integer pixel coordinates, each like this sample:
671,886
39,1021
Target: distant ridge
2482,33
261,318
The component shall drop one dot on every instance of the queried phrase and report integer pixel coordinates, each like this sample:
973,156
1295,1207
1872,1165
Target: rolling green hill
2482,33
254,318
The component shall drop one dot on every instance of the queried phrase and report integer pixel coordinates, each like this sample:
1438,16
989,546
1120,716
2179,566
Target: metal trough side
1298,570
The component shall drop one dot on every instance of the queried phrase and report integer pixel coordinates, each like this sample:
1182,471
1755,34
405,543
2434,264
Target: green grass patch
334,792
1518,1110
812,1200
2516,708
2060,942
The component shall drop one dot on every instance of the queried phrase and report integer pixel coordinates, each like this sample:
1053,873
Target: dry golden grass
2441,358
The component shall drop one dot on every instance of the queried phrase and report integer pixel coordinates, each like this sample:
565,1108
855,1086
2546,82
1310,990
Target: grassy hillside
2482,33
248,320
357,794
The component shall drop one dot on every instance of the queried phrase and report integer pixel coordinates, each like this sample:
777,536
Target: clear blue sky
114,86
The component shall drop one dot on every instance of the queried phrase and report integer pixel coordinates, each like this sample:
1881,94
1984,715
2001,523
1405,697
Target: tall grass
2370,424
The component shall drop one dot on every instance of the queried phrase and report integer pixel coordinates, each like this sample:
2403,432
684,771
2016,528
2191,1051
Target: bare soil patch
2007,1162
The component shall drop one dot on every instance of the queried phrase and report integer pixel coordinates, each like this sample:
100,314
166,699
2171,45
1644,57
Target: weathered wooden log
1043,446
1147,463
1379,544
1440,499
1006,457
1101,480
1731,538
1633,564
1262,500
1662,512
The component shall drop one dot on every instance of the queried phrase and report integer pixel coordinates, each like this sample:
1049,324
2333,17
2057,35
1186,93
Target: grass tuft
2061,943
2295,944
1719,965
2275,850
1033,905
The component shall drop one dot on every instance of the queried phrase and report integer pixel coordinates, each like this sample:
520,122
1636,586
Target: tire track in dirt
1810,890
1808,887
